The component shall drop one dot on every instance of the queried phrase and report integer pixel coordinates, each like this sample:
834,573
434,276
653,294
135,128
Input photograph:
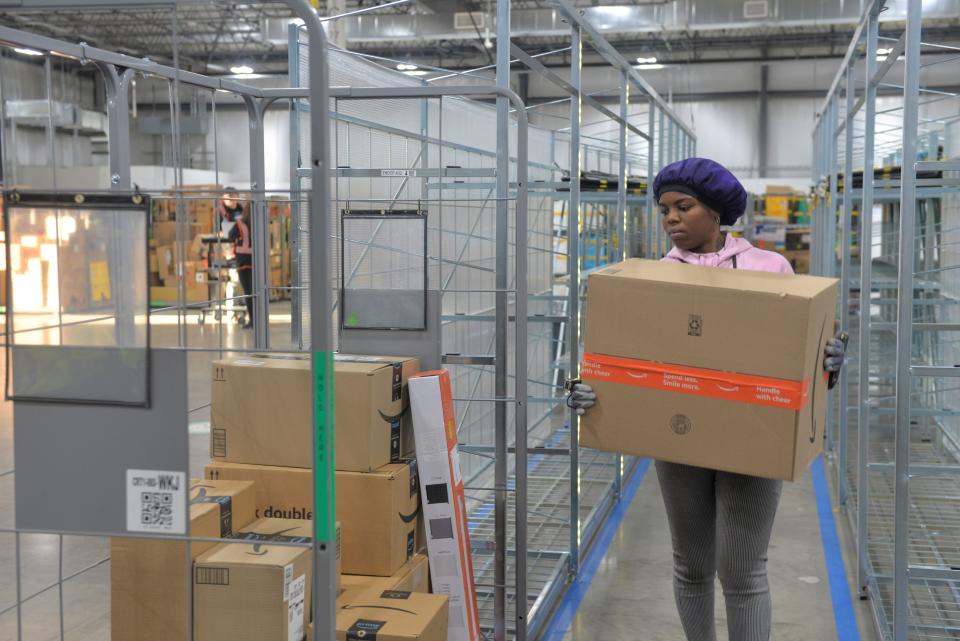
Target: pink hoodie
738,253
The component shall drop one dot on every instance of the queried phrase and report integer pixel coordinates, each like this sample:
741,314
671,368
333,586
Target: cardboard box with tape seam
394,615
255,590
716,368
379,511
148,591
414,576
261,410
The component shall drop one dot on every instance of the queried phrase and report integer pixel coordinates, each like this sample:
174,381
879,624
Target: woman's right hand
582,397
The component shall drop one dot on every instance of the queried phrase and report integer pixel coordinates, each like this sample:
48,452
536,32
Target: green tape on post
324,491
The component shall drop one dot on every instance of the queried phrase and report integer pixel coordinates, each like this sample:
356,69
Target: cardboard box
167,258
168,295
378,511
799,260
261,412
444,506
414,576
394,616
679,356
282,492
255,591
148,592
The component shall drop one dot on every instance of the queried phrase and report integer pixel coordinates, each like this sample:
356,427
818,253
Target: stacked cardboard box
149,576
258,590
261,431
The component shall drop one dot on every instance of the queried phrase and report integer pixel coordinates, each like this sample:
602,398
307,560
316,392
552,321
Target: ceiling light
28,52
884,52
647,61
241,70
649,66
406,67
488,43
416,72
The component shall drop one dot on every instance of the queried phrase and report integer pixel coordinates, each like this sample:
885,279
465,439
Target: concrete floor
630,597
632,589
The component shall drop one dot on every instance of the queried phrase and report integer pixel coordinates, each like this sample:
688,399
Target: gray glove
834,354
581,398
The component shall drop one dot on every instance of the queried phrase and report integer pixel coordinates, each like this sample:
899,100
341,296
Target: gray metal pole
661,150
321,334
908,214
501,471
830,261
573,308
621,232
296,280
258,220
623,246
51,125
842,399
651,174
118,141
866,287
763,124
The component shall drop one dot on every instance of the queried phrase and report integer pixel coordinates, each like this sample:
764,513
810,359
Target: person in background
240,235
720,522
230,208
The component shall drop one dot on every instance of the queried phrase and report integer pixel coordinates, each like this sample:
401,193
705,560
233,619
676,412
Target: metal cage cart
895,444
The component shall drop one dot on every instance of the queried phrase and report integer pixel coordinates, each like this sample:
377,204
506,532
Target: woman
720,523
243,250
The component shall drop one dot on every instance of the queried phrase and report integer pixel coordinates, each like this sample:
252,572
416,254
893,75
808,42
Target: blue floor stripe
563,618
843,614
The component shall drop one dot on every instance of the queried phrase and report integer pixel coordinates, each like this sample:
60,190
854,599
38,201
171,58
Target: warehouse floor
631,589
625,586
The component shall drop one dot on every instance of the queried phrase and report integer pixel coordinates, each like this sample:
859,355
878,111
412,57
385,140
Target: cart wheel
201,319
217,316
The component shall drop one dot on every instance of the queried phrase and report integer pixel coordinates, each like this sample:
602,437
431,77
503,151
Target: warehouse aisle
631,589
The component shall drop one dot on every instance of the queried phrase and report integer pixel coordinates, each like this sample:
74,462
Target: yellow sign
99,281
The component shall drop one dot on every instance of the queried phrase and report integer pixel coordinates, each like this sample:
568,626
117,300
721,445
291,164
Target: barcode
213,576
218,445
156,509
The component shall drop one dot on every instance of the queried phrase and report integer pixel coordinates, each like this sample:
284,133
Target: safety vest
243,244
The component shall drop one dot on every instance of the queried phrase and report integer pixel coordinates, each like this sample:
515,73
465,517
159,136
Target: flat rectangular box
261,414
168,295
414,576
393,615
148,591
716,368
379,511
443,502
255,591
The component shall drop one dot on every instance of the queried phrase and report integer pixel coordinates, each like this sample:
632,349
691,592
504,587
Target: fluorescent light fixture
647,61
884,52
241,70
649,66
27,52
403,66
416,72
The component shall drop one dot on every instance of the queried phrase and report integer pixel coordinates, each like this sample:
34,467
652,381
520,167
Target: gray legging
720,524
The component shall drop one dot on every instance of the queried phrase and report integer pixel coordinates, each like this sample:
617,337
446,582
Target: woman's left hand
835,353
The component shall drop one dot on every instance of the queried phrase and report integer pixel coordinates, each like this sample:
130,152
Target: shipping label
295,609
156,502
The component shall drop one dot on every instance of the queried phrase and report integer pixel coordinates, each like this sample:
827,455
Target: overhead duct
678,15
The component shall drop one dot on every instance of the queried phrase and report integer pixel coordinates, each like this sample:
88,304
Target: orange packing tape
743,388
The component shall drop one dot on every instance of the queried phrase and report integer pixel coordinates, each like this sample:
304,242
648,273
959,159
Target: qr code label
156,501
